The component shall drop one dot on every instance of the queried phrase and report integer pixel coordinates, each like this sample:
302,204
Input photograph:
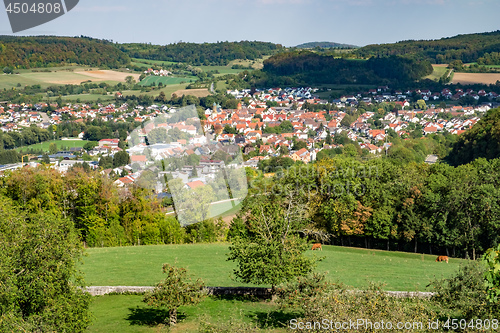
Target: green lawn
60,143
141,266
127,313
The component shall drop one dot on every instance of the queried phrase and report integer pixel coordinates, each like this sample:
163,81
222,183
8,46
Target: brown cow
442,258
317,246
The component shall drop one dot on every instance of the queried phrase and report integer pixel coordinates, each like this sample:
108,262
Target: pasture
355,267
476,78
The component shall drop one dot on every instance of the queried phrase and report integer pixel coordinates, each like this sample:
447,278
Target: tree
492,275
421,104
121,158
129,80
53,148
45,159
41,288
175,291
267,248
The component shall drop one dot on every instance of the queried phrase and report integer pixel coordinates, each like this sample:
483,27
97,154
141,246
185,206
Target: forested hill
309,68
325,45
48,51
467,48
482,140
220,53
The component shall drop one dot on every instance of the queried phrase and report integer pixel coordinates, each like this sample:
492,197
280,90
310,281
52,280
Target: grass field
127,313
141,266
166,80
60,143
438,72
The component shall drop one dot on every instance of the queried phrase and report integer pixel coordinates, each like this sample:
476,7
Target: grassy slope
437,73
141,266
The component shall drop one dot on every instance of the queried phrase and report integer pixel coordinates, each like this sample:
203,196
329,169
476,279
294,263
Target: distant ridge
326,45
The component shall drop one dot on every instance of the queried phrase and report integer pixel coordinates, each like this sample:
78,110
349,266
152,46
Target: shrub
464,294
175,291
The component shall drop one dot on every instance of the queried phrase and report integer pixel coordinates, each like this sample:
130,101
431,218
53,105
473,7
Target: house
138,159
121,182
194,185
111,143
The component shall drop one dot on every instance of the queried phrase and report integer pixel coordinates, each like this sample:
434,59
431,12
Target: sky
286,22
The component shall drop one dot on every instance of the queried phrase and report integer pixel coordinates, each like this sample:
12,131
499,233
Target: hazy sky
289,22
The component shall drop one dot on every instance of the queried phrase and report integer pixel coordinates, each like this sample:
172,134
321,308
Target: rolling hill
325,45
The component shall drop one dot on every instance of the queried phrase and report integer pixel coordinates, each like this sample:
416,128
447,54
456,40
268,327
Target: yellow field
476,78
193,92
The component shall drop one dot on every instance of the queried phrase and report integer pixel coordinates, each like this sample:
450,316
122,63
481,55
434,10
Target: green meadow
437,73
127,313
354,267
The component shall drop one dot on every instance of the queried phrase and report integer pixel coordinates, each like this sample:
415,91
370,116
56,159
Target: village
265,124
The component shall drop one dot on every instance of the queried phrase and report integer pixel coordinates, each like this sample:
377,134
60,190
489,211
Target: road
45,118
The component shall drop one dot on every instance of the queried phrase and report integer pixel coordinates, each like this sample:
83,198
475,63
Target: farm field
127,313
473,78
60,143
193,92
64,75
141,266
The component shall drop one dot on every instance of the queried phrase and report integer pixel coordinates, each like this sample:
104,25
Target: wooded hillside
467,48
49,51
304,67
220,53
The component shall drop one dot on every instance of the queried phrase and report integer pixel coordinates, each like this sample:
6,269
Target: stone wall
234,291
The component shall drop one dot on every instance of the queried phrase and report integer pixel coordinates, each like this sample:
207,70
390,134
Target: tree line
398,206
